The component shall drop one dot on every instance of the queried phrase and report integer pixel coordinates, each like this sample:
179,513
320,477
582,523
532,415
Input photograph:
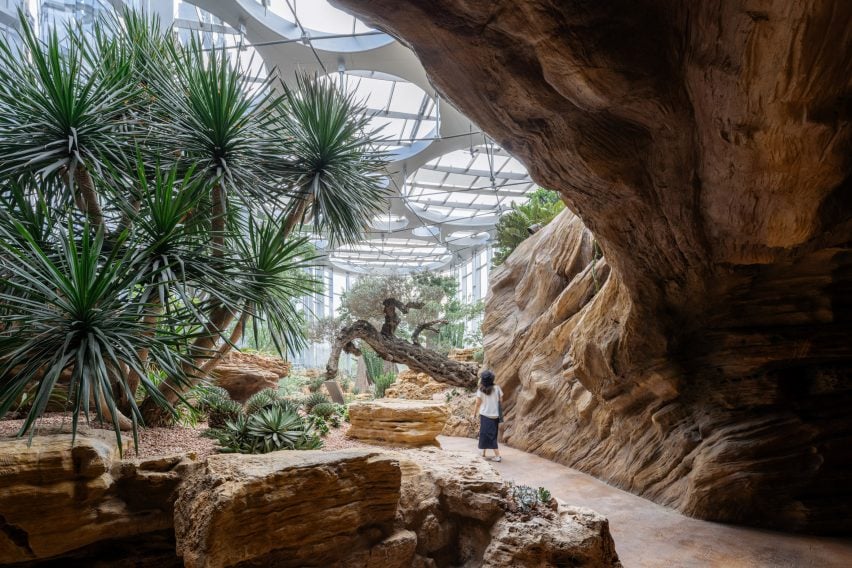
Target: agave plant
269,430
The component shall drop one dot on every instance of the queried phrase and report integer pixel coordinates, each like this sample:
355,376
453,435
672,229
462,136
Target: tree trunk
85,196
295,217
155,415
217,220
133,379
396,350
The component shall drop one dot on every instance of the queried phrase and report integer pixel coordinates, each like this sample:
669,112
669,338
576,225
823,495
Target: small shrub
270,430
320,425
289,404
479,356
261,400
324,409
334,420
291,385
346,383
382,382
315,384
207,395
222,411
525,497
314,399
544,495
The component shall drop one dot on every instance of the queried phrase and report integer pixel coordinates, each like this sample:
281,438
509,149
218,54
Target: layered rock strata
707,148
425,508
57,500
397,421
412,385
244,374
309,508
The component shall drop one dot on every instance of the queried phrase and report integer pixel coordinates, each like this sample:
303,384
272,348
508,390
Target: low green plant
525,497
222,411
261,400
319,424
335,420
289,404
270,430
451,394
544,495
314,399
291,385
479,356
315,384
324,409
382,382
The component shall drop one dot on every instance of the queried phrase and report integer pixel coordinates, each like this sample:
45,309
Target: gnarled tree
396,350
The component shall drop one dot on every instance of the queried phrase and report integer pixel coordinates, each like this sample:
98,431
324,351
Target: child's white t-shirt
490,406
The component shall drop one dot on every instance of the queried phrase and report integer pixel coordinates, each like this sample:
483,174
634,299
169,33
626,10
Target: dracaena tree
154,200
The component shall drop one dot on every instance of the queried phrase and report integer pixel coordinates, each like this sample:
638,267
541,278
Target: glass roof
402,112
449,182
316,15
467,185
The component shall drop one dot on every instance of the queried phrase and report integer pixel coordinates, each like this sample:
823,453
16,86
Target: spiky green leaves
333,168
74,310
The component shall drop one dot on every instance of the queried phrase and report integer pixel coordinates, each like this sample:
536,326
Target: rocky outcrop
706,147
462,355
309,508
571,537
461,420
81,506
412,385
458,508
397,421
244,374
57,499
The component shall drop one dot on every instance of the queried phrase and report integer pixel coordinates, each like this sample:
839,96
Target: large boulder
705,145
244,374
289,508
458,507
58,499
573,536
397,421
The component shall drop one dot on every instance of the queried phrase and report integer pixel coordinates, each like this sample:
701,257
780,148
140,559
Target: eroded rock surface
412,385
308,508
397,421
244,374
707,147
56,499
421,508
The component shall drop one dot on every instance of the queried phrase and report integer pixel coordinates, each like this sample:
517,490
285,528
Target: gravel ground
164,441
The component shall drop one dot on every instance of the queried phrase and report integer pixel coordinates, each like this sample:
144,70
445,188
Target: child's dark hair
486,384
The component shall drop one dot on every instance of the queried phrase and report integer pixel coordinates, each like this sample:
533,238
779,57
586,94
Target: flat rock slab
307,508
398,421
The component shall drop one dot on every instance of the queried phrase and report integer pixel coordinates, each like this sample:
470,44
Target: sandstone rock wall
706,145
